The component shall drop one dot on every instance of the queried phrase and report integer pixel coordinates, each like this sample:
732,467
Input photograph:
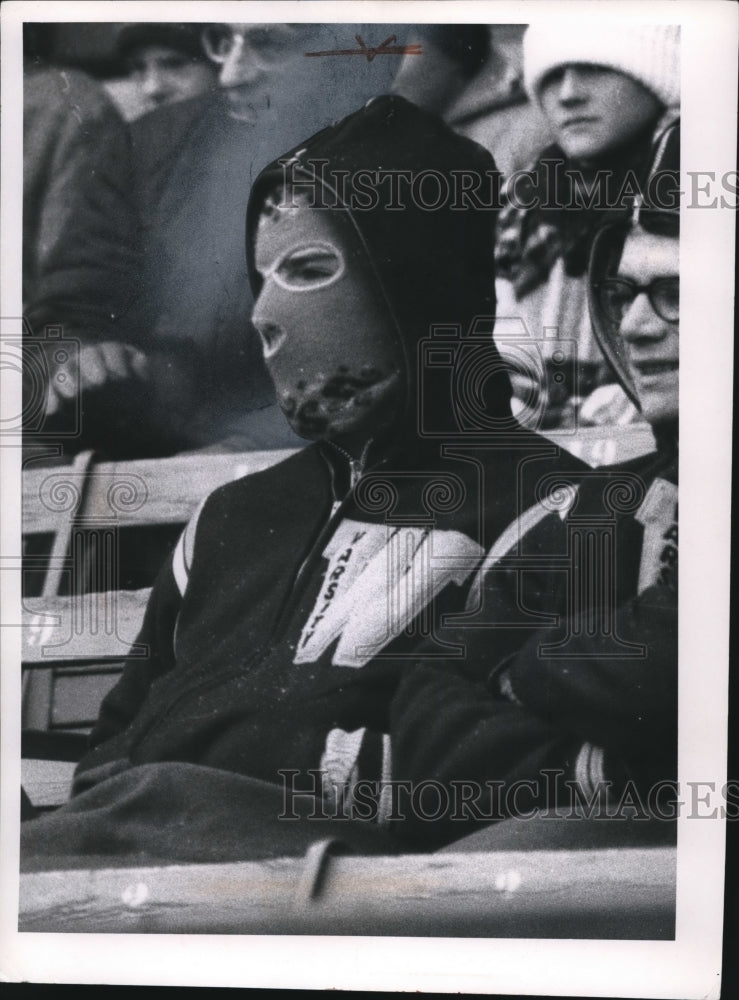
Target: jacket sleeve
121,704
488,755
501,749
602,711
157,637
622,698
625,702
81,252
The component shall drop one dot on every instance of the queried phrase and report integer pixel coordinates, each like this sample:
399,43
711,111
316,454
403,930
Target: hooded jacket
300,596
605,693
192,172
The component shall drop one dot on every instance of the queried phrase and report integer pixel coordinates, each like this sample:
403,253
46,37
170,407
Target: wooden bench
79,644
626,893
85,507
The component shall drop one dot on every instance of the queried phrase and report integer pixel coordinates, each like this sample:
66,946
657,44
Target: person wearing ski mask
316,278
298,597
190,160
610,689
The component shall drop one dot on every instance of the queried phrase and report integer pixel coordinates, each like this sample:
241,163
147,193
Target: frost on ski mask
328,338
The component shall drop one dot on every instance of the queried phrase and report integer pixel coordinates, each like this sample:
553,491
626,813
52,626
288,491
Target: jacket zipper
356,465
356,469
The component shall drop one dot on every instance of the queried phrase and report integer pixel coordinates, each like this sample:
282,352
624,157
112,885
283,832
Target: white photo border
684,968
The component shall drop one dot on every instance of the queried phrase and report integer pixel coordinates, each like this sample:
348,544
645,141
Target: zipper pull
356,465
355,471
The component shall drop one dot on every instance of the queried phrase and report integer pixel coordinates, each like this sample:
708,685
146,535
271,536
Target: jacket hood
656,211
423,202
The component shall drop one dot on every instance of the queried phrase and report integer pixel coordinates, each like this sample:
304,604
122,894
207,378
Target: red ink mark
384,49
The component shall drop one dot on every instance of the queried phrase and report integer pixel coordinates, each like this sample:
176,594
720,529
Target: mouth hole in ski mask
329,339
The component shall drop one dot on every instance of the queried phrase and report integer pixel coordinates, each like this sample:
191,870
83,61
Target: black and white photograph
345,415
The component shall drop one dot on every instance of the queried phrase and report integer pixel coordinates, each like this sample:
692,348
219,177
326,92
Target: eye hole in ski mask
329,341
308,268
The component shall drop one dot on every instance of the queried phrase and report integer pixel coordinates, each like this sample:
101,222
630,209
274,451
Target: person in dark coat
609,679
93,375
278,635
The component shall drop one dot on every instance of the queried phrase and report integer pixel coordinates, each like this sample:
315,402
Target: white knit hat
650,53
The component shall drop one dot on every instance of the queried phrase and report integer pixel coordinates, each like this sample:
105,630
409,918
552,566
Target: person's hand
95,366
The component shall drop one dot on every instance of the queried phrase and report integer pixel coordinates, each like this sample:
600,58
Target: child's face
329,340
165,75
593,110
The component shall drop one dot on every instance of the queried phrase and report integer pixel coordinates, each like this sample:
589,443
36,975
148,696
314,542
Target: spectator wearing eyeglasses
642,301
248,56
608,691
625,708
606,89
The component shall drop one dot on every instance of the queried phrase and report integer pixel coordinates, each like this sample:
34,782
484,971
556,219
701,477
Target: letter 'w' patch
378,579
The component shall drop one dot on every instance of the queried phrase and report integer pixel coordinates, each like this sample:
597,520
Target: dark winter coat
594,699
240,675
80,251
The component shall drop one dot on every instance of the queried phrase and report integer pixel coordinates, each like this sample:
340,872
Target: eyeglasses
616,295
220,41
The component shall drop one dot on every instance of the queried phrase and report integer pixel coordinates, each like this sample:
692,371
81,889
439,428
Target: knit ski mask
328,337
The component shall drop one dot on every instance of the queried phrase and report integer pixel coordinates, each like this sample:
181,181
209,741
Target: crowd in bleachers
139,144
